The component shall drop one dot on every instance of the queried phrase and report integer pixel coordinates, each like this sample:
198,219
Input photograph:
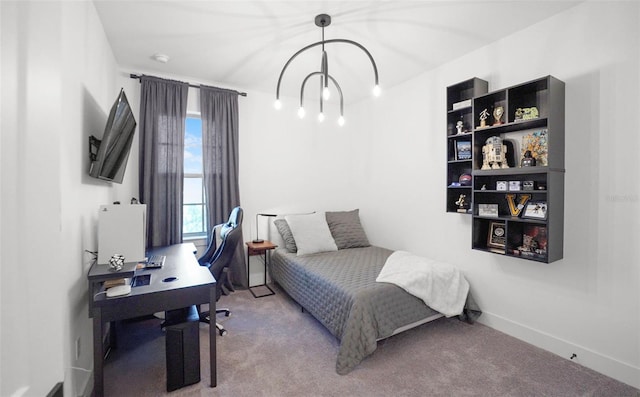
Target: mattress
339,289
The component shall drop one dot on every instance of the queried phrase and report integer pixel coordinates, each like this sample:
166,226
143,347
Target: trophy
462,203
494,154
483,118
497,115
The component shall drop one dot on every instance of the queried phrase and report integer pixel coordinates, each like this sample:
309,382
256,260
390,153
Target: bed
338,287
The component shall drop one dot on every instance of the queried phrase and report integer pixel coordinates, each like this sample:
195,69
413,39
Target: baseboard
87,391
609,366
78,382
57,391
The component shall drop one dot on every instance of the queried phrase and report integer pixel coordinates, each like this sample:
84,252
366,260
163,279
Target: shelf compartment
465,115
485,105
528,95
460,149
511,126
460,98
490,181
465,90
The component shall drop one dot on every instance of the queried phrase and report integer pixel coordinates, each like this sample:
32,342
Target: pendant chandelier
322,21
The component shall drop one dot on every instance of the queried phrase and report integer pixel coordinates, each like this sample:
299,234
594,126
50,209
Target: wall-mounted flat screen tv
110,154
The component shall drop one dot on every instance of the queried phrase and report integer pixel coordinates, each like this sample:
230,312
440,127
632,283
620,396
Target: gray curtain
163,110
219,114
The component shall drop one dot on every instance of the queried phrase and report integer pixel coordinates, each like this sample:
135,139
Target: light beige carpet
274,349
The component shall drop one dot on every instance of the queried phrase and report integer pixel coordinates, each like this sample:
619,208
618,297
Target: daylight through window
194,208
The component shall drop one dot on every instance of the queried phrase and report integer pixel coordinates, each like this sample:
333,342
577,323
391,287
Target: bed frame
338,288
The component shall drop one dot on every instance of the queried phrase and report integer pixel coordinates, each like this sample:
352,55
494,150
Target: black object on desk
191,285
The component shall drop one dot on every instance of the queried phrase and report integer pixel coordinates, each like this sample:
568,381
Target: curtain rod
136,76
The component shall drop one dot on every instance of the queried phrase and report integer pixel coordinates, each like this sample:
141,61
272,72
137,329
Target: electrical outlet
78,348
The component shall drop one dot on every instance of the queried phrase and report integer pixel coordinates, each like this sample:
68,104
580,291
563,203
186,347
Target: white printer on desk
122,230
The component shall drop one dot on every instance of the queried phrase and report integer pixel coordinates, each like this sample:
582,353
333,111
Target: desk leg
212,337
98,354
248,269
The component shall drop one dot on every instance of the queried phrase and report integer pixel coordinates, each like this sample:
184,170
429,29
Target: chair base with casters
205,317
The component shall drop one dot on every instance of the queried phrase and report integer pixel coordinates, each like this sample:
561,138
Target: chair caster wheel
227,313
222,332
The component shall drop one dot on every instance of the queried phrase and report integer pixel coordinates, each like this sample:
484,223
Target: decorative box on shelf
462,104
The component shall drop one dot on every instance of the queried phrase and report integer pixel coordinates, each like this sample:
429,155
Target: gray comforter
339,289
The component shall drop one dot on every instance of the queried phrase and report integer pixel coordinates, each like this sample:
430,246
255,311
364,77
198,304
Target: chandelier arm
284,68
304,82
322,84
355,43
339,92
325,68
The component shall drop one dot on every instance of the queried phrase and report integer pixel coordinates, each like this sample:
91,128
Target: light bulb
376,90
321,117
341,121
326,94
277,104
301,112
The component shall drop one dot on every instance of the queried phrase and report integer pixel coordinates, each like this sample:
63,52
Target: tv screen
109,155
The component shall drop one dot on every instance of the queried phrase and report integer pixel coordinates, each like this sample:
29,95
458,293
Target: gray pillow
287,236
346,229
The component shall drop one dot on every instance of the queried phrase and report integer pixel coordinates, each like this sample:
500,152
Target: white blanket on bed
440,285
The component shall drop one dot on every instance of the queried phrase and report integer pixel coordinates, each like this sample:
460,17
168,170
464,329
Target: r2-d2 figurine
494,154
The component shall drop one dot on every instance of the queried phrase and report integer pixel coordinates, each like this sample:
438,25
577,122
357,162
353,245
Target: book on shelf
462,104
463,150
116,281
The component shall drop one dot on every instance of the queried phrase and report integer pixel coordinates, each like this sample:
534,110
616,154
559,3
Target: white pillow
311,233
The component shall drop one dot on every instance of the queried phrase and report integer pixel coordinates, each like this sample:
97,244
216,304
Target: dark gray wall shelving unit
537,239
460,108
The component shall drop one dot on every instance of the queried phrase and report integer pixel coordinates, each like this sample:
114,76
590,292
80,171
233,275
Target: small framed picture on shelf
528,185
514,185
535,210
463,150
497,237
501,185
534,242
488,210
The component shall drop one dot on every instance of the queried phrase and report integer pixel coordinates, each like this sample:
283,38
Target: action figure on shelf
459,126
494,154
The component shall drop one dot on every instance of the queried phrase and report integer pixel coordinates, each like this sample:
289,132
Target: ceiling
243,45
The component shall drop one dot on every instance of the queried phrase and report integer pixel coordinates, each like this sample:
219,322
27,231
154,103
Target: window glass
193,146
194,206
193,190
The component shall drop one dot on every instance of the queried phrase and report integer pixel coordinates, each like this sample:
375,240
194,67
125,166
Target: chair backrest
224,255
236,216
235,219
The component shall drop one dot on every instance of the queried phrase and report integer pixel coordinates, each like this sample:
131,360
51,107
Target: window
194,222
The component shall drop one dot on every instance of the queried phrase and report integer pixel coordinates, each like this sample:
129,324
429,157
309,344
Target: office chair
218,259
235,219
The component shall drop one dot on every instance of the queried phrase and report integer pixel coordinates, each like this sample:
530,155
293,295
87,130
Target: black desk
194,285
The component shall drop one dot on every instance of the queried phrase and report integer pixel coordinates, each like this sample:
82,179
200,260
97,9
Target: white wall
589,302
388,160
27,287
59,81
